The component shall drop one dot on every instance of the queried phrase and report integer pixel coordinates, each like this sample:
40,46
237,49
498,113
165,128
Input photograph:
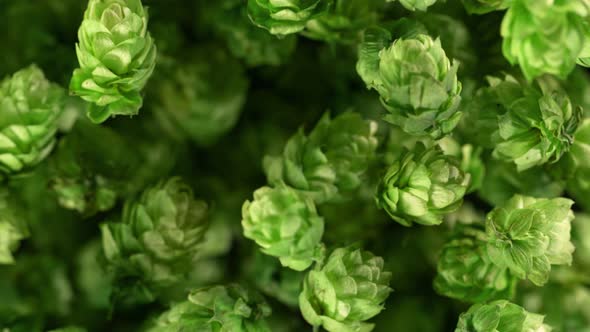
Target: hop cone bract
117,56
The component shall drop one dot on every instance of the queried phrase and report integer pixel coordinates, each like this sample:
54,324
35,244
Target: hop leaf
527,235
330,161
30,106
537,49
524,124
484,6
347,290
13,227
202,99
500,315
117,56
465,272
421,186
283,18
402,74
285,225
158,238
218,308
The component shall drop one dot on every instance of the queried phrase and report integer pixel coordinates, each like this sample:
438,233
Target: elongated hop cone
285,225
527,235
30,106
350,288
421,186
116,55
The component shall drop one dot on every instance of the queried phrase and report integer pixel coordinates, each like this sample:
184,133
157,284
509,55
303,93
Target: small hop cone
413,5
537,49
283,18
117,56
328,163
422,186
30,107
285,225
13,227
466,273
527,235
500,315
218,308
158,237
484,6
402,71
350,288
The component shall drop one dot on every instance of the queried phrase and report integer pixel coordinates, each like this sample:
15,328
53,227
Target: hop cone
91,168
527,235
484,6
328,163
13,228
202,99
499,316
155,243
466,273
218,308
416,4
285,225
344,21
421,186
117,56
285,17
524,124
348,290
29,110
545,36
403,72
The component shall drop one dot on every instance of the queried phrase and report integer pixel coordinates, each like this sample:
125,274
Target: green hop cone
158,238
218,308
350,288
285,225
527,235
344,21
202,99
328,163
30,107
413,5
500,315
484,6
117,56
281,17
13,227
526,125
538,49
466,273
402,72
421,186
